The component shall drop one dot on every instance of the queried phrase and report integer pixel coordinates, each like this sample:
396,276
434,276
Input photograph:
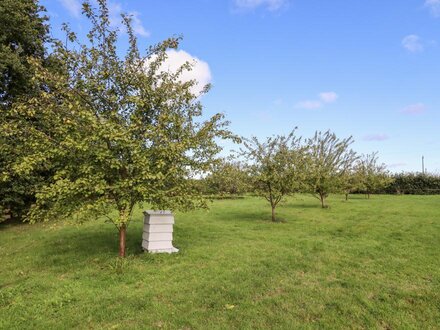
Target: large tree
330,159
120,130
23,33
276,166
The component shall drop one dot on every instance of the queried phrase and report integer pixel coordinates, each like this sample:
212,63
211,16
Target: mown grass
360,264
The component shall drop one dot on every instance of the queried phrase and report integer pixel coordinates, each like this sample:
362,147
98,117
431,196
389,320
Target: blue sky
364,68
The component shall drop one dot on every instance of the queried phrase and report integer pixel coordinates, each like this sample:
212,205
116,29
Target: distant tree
23,33
414,183
227,178
330,160
119,130
373,176
276,166
352,181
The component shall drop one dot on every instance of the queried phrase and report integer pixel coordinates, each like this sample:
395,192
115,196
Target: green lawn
360,264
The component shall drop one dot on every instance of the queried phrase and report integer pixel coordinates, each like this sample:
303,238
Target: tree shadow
13,222
76,247
358,197
302,206
83,245
249,216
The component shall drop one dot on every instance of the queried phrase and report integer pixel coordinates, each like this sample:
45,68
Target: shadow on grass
247,216
81,245
12,223
359,197
260,217
73,246
302,206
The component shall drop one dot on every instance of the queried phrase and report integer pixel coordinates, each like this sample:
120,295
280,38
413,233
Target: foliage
414,184
119,130
352,182
23,32
329,162
227,178
373,176
276,166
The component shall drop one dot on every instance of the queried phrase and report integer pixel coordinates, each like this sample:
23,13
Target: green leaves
329,160
372,175
227,178
23,32
276,166
283,165
118,129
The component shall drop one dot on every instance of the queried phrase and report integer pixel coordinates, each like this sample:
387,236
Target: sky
367,69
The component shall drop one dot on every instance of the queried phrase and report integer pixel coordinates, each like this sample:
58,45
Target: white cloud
376,137
323,98
138,28
115,11
271,5
434,7
328,97
73,7
413,43
414,109
309,104
200,70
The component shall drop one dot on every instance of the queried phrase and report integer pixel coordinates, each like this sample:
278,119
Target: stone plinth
158,232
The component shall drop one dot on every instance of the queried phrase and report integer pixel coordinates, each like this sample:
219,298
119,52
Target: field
360,264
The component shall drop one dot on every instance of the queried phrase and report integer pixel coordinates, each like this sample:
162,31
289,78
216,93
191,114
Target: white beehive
158,232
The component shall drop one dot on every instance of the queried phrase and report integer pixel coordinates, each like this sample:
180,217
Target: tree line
413,184
286,164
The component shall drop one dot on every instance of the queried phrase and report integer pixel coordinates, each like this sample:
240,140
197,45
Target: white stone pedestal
158,232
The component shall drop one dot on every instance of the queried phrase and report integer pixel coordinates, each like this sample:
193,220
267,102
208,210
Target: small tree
329,162
276,166
119,130
373,176
352,181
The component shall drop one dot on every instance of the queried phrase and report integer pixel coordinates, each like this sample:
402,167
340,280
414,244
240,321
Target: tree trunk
346,197
368,195
321,196
122,235
273,214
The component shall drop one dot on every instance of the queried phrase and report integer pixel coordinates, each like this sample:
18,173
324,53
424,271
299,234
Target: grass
360,264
